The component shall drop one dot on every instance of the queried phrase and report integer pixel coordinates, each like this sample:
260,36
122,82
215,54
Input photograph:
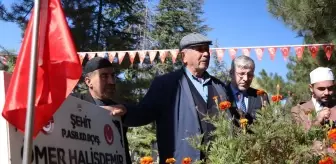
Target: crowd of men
177,101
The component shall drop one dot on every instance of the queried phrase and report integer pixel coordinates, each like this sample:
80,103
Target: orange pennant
101,54
152,55
163,54
299,52
81,55
111,56
259,52
121,55
233,52
174,54
246,51
220,54
328,49
285,52
313,50
132,56
92,55
142,55
272,52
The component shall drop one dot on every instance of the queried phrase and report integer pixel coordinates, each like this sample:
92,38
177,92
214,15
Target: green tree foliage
95,24
314,20
272,138
269,82
172,21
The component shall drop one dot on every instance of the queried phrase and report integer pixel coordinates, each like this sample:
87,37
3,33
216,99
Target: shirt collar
317,105
235,90
206,77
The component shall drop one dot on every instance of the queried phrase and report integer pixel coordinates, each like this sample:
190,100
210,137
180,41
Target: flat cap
96,63
194,39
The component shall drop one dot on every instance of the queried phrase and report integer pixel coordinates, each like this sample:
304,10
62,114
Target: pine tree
95,24
314,21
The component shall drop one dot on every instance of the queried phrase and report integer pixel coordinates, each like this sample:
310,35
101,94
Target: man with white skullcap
321,108
321,104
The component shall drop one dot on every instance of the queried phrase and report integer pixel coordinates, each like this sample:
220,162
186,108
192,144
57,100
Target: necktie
242,102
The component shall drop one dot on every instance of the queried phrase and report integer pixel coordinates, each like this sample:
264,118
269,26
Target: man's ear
88,81
311,88
182,56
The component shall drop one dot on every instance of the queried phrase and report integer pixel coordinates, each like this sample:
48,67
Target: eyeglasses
242,74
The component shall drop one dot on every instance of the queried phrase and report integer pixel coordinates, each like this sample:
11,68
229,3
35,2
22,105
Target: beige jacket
300,114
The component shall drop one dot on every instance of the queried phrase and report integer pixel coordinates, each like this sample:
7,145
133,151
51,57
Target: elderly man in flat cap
177,102
322,89
100,79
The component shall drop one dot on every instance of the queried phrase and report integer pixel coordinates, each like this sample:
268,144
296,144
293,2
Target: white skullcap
321,74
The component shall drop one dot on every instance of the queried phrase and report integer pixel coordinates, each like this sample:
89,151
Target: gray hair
242,62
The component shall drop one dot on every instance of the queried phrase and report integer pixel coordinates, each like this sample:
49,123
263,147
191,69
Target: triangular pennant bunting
121,55
142,55
232,53
313,50
81,56
174,54
220,54
299,52
246,51
132,56
285,52
272,52
152,55
259,52
111,56
163,54
328,49
91,55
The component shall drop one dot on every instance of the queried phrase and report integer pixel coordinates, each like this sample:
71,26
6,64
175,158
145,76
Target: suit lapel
185,88
251,100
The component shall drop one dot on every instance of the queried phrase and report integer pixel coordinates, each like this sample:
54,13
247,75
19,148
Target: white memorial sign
79,133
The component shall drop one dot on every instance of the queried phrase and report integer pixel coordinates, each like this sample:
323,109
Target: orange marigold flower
146,160
333,146
186,160
243,121
260,92
170,160
332,134
215,98
224,105
326,160
276,98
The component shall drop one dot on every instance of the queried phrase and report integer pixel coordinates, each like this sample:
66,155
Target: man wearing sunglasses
246,100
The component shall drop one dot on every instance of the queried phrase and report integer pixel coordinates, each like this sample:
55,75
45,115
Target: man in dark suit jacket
178,101
100,79
246,100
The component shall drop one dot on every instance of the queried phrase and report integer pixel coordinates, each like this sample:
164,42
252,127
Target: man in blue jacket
178,101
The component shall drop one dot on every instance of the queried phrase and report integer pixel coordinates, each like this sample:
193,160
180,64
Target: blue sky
234,24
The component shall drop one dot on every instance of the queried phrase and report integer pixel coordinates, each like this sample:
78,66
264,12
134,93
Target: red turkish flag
313,50
58,69
259,52
328,49
285,52
272,52
299,52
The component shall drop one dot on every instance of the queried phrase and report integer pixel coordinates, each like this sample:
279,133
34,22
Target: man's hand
116,110
323,114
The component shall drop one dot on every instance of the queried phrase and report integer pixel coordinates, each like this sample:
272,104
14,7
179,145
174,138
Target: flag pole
28,135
